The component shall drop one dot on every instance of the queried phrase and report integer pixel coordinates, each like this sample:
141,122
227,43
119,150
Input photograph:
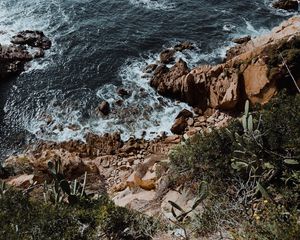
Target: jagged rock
242,40
179,126
13,58
104,108
167,56
32,38
12,61
167,81
286,4
224,92
258,87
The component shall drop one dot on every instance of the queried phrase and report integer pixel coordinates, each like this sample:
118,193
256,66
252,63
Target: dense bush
258,157
25,218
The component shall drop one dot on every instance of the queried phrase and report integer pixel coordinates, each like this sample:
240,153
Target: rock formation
14,57
32,38
252,70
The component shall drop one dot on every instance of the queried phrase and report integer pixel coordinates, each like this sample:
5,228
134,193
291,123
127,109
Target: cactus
247,119
60,188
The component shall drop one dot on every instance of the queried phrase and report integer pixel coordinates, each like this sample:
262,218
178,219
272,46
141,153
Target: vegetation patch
254,160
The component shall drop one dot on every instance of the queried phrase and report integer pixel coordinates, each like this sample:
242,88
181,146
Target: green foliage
289,50
271,222
61,189
68,213
121,223
25,218
256,157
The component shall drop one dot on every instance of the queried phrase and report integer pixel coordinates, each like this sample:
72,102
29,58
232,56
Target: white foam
154,4
147,112
141,111
229,27
16,16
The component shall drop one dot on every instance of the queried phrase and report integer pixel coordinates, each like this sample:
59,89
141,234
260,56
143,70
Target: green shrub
243,164
25,218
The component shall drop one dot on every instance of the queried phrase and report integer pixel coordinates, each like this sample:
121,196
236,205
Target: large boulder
179,126
12,61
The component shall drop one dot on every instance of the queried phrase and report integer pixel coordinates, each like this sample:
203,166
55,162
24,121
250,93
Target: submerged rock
183,46
286,4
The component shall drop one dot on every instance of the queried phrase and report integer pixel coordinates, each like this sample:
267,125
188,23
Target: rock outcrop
32,38
286,4
252,70
14,57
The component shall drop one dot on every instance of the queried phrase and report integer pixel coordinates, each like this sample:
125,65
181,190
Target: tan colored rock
223,86
258,87
22,181
174,139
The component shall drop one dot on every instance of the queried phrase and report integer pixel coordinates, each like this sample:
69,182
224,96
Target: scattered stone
119,102
173,139
183,46
190,122
122,92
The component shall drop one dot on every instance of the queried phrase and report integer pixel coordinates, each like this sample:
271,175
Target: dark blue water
100,45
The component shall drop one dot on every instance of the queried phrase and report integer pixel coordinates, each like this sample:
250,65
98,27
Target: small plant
60,187
3,188
181,217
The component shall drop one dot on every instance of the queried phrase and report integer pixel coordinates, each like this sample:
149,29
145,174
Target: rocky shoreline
26,46
134,172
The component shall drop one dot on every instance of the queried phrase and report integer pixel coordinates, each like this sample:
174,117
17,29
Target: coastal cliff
138,173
